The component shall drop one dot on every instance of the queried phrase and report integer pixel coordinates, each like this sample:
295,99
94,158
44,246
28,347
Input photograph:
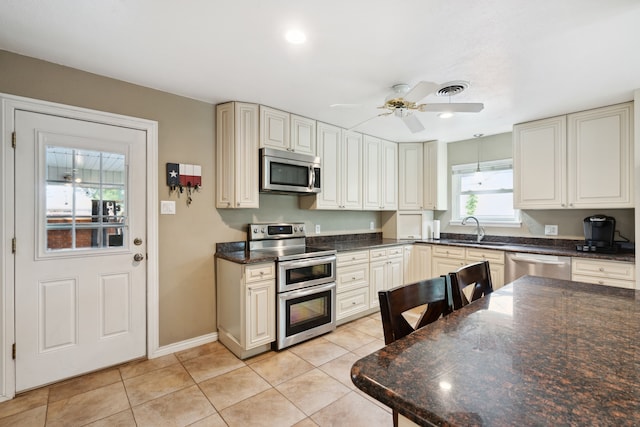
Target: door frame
9,104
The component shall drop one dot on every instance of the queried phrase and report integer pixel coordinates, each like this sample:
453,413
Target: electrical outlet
317,228
371,225
550,230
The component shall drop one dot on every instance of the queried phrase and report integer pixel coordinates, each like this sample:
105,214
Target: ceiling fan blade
369,119
455,107
413,123
345,105
420,91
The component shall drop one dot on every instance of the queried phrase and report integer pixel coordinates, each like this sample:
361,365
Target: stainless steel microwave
287,172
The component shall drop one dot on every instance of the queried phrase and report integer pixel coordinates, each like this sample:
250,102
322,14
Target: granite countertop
236,252
535,352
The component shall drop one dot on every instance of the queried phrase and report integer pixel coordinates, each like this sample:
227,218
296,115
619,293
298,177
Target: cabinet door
435,175
410,274
377,279
352,302
601,158
497,275
303,135
274,128
328,149
225,156
422,260
351,170
260,312
372,173
395,269
389,176
539,159
441,266
410,176
246,162
237,155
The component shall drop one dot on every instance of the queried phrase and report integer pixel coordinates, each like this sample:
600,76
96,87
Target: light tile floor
305,385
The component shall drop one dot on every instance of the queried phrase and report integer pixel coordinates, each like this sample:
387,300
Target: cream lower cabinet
417,263
604,272
446,259
246,306
386,270
352,284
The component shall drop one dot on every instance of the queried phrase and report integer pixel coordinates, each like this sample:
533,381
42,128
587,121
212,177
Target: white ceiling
524,59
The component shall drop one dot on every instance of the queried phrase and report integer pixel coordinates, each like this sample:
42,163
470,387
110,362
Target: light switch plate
317,228
550,230
167,207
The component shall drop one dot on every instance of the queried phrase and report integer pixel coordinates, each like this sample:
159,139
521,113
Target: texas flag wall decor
179,174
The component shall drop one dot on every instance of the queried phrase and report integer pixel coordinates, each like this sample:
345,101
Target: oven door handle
307,262
308,291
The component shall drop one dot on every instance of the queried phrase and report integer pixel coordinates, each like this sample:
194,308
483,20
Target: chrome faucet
479,230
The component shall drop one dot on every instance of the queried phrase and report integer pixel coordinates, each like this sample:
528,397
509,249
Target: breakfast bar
535,352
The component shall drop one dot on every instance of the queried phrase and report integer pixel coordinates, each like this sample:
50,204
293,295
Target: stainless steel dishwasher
521,264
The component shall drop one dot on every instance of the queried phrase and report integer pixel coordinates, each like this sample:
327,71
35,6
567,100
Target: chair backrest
436,293
477,275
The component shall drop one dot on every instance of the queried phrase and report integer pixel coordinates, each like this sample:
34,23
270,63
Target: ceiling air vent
452,88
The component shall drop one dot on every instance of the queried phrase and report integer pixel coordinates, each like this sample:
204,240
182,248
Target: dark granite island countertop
535,352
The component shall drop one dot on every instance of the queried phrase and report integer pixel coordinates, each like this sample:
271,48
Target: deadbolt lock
137,241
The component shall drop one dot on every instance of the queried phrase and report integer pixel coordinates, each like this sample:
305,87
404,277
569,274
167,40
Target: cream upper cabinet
435,176
583,160
600,157
410,176
340,154
380,177
539,158
422,176
274,128
303,135
237,168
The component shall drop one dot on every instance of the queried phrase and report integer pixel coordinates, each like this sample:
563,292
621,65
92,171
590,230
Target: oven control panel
271,231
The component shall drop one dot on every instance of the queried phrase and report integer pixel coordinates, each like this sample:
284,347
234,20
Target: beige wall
186,135
569,221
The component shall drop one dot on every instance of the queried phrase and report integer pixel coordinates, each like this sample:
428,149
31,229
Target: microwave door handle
312,178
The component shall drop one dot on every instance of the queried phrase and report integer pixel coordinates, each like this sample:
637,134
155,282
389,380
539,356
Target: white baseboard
184,345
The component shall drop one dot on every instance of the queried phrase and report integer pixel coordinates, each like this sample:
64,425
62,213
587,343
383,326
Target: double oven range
305,282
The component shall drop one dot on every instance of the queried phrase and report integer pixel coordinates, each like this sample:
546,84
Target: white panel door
79,291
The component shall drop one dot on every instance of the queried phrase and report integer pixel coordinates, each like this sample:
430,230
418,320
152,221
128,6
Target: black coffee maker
598,234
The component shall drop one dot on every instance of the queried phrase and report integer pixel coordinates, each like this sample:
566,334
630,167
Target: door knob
137,241
138,257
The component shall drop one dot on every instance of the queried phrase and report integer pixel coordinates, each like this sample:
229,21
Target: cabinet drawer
258,272
375,254
349,258
479,254
448,251
352,277
604,269
395,251
352,302
618,283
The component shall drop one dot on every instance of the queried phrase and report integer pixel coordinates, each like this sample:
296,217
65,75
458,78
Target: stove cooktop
297,252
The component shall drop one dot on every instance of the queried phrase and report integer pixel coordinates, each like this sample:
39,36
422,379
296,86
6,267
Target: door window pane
85,199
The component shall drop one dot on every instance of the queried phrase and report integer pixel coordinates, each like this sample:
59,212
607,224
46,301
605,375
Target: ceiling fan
403,102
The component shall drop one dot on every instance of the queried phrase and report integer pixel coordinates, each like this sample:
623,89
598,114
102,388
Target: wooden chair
436,293
477,275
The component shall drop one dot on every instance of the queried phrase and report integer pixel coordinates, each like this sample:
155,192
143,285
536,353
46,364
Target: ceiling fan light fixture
445,115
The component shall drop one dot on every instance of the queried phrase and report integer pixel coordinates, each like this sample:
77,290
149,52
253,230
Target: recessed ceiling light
445,115
295,37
